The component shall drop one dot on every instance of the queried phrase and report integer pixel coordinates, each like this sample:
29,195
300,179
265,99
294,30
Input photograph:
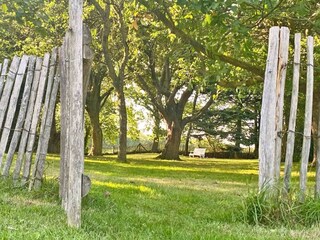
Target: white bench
200,152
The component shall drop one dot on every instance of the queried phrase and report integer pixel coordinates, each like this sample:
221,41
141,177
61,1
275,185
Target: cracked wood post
293,112
307,121
268,113
281,80
76,146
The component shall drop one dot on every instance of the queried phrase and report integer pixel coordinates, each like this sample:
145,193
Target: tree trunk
186,149
93,109
156,133
122,154
54,141
96,148
171,149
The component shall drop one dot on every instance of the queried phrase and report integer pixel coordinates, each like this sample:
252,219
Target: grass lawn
149,199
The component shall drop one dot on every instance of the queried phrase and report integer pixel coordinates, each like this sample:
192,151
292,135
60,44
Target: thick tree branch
199,113
105,96
200,47
124,36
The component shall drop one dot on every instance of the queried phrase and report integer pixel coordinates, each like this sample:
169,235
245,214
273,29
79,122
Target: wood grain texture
26,123
21,115
268,111
35,119
307,120
44,137
281,81
293,112
76,111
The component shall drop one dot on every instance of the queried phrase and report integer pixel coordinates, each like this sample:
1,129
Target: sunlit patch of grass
146,198
113,185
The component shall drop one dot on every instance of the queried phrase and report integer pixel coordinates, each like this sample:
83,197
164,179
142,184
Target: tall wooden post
307,120
76,146
282,70
293,112
268,113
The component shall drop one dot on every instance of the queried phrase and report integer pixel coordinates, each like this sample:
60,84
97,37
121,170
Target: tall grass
278,208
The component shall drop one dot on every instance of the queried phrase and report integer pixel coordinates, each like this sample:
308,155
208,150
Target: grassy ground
149,199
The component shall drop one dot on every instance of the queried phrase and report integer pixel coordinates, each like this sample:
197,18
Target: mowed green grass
144,199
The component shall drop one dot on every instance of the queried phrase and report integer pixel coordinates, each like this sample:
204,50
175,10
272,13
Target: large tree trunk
122,154
171,149
93,109
54,141
96,148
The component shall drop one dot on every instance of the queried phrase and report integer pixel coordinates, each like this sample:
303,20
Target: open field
149,199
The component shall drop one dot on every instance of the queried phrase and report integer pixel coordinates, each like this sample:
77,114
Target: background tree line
195,66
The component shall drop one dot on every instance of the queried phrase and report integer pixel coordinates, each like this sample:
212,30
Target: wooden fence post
76,111
8,88
281,79
21,116
48,90
4,71
26,124
293,112
268,111
307,120
45,134
34,121
12,106
64,136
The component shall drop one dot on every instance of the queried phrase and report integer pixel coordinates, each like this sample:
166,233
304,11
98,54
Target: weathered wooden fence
271,124
24,85
28,92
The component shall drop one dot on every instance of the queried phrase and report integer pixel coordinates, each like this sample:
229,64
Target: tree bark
156,132
93,111
171,149
122,154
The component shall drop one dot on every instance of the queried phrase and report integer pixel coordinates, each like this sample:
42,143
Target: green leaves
4,7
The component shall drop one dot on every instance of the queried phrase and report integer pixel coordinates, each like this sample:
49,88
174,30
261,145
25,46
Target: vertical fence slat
12,106
39,161
4,71
64,137
26,124
21,116
293,112
8,88
268,110
307,120
282,71
76,111
35,118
